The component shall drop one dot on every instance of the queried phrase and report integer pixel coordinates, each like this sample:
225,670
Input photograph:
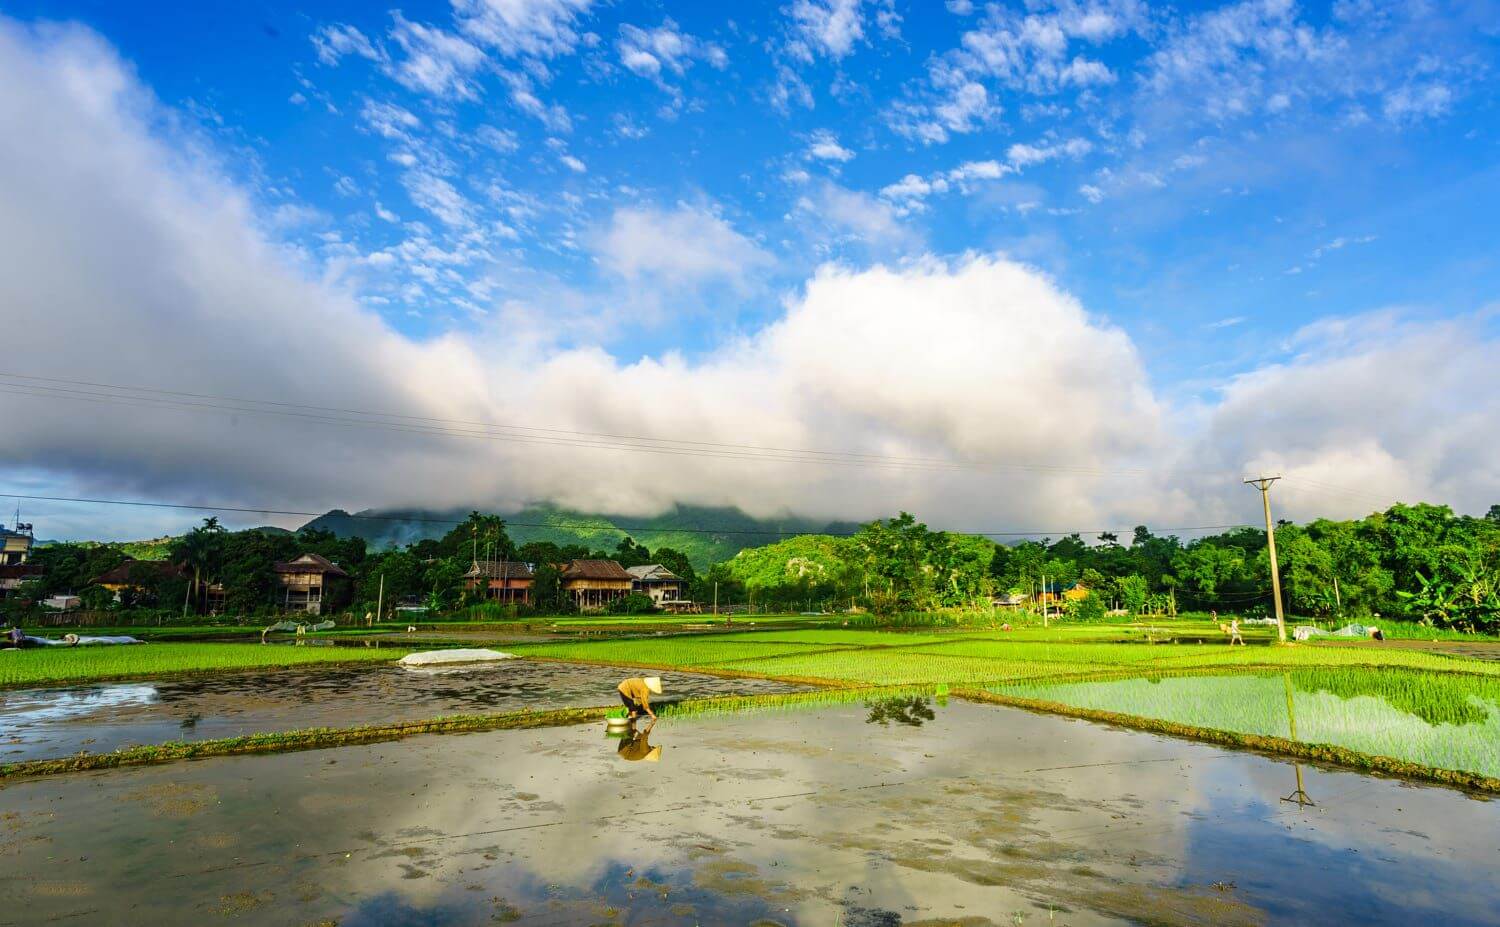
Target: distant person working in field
636,693
1234,633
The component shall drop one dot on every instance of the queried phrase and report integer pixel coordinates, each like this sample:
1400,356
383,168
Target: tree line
1415,562
242,563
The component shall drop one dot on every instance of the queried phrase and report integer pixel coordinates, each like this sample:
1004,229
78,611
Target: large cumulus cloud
132,259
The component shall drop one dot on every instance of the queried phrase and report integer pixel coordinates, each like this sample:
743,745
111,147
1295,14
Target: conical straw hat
654,684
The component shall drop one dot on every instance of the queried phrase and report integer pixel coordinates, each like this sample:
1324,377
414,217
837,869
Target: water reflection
46,723
636,745
1447,720
805,822
910,710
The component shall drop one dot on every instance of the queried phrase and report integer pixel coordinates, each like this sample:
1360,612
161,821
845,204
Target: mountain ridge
705,534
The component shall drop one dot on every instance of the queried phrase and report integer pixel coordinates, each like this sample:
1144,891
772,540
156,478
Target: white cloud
1413,103
554,117
339,40
573,164
1023,155
1091,193
827,27
538,28
389,120
683,244
647,52
824,146
1370,437
439,197
927,358
501,140
978,170
435,62
852,215
910,187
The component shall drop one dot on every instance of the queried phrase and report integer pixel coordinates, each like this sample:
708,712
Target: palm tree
197,551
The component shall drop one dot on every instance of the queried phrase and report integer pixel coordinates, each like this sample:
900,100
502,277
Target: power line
640,529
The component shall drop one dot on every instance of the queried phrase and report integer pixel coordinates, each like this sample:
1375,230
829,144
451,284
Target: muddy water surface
978,816
46,723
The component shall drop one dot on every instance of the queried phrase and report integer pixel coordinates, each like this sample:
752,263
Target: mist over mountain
704,534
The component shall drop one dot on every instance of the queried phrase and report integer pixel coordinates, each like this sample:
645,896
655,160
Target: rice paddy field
52,665
1447,721
885,658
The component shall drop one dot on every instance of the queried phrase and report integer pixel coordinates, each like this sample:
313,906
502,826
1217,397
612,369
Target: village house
504,581
658,582
15,546
14,575
593,584
133,575
307,583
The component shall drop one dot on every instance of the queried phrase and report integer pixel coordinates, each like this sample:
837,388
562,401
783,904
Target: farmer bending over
636,693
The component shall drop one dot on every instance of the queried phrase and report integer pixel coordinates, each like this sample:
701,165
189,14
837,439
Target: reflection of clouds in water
982,811
45,706
735,785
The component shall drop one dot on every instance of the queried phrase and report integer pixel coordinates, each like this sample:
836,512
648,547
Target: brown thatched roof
594,569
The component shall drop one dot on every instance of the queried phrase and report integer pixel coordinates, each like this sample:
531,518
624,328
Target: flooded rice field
862,817
54,722
1447,720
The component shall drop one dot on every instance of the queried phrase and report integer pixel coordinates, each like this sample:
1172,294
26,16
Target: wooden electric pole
1263,483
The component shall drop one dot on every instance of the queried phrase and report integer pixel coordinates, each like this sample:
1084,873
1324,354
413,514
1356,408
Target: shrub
637,603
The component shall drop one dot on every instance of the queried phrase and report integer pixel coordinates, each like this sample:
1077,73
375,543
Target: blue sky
663,181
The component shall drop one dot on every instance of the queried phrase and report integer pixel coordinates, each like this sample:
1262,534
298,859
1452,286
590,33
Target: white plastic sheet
442,657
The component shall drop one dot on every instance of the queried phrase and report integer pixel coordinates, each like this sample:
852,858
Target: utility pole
380,600
1263,483
1338,602
716,597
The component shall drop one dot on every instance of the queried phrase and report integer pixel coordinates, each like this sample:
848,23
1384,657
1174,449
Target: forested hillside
705,535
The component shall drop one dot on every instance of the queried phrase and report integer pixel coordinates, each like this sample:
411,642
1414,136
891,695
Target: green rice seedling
53,665
1449,721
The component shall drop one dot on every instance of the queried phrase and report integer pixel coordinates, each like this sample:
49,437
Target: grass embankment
55,665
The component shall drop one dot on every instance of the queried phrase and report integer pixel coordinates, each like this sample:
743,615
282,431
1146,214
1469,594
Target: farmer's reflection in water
636,745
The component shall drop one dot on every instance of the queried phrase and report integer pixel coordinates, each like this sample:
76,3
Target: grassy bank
56,665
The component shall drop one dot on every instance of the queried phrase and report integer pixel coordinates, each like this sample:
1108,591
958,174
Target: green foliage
637,603
1089,608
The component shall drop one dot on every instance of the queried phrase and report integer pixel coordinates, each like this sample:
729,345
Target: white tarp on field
441,657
